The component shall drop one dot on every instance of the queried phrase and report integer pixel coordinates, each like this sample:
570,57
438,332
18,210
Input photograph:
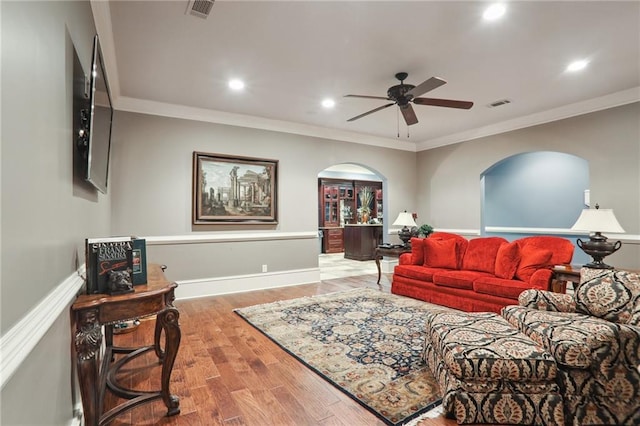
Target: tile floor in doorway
334,265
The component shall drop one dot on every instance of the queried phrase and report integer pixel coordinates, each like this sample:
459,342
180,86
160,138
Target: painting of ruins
233,189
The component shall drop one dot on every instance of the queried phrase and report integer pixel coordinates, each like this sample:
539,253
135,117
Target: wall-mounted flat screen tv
99,123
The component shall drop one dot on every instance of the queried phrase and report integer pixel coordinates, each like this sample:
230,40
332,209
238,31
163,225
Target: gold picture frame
234,189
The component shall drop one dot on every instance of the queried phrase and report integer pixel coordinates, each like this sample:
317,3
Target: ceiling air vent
498,103
200,8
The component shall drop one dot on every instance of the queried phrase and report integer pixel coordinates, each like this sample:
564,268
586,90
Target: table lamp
406,221
595,221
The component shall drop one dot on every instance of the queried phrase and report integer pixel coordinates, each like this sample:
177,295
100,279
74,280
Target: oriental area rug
365,342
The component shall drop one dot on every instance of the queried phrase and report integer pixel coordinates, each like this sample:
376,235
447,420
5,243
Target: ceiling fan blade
367,97
371,112
426,86
409,114
449,103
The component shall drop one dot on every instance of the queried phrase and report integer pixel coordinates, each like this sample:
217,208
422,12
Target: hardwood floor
228,373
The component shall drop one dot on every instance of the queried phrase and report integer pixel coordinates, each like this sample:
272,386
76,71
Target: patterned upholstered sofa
594,338
489,372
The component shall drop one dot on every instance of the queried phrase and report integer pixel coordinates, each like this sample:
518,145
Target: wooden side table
380,252
92,311
563,274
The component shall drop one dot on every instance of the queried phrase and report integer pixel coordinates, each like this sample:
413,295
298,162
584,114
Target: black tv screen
100,120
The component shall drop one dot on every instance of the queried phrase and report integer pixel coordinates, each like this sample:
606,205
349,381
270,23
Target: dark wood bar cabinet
360,241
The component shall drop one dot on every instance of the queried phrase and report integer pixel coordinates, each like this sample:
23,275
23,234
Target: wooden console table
380,252
92,311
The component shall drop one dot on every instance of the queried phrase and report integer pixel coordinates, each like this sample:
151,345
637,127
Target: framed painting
234,189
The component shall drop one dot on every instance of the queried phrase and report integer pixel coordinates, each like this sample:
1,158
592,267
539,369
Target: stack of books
103,255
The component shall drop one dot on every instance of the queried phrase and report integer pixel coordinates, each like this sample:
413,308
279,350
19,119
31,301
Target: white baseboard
387,265
78,413
189,289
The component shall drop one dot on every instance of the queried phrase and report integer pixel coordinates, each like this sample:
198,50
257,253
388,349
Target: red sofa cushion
507,260
481,254
561,248
532,259
461,244
417,251
440,253
500,287
458,279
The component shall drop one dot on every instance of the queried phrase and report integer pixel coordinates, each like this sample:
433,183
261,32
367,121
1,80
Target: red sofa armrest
541,279
404,259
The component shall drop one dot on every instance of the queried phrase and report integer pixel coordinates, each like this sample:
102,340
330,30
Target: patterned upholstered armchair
594,337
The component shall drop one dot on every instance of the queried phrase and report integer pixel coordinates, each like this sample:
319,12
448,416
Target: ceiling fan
404,94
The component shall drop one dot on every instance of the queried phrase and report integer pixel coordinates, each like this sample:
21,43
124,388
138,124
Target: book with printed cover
104,255
139,273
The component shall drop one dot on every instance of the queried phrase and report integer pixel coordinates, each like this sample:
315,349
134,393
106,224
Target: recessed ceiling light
577,65
236,84
328,103
494,11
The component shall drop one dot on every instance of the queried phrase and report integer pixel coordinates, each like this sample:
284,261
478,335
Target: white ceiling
292,54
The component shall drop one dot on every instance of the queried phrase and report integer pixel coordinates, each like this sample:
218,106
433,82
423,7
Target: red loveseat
477,275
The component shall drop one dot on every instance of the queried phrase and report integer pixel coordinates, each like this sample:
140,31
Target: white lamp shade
405,219
597,220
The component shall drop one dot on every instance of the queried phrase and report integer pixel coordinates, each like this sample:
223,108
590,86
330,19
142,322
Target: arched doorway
344,183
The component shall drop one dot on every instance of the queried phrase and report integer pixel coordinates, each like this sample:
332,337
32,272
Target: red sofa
481,274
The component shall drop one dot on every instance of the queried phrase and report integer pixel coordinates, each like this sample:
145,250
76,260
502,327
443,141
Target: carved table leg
88,339
156,340
378,257
167,320
558,286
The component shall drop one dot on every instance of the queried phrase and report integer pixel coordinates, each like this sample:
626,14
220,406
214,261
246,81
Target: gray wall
45,216
449,177
152,189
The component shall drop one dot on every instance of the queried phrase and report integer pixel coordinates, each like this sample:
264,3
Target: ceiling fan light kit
404,95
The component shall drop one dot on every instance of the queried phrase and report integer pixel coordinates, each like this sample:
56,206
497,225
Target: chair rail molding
628,238
225,237
17,343
464,232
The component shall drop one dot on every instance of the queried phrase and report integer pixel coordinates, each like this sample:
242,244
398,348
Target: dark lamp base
405,235
598,248
598,265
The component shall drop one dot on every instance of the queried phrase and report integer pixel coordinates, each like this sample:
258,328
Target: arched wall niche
534,193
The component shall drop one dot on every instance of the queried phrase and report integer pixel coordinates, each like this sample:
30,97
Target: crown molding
102,19
579,108
124,103
220,117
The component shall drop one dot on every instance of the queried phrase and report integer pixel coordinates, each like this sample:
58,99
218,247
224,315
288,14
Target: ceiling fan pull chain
398,122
